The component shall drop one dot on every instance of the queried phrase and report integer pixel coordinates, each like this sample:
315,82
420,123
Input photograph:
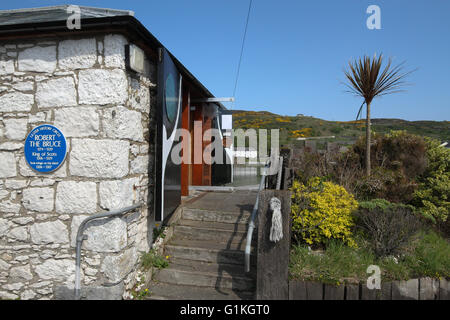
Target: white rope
276,231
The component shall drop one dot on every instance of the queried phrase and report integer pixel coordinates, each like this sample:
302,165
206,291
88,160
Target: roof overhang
52,21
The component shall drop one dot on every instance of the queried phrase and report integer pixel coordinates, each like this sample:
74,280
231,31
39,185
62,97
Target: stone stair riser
205,280
231,257
209,234
215,216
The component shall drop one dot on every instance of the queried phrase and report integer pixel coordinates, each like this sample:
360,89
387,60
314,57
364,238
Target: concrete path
239,201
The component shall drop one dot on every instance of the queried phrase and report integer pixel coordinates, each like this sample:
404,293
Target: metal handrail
251,225
81,237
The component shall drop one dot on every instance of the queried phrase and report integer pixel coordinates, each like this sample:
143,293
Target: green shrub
389,226
432,196
337,130
153,259
322,210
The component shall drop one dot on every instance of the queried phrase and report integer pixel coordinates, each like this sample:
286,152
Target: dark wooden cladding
185,124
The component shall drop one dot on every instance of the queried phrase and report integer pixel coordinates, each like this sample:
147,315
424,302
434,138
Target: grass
153,259
337,264
431,256
428,255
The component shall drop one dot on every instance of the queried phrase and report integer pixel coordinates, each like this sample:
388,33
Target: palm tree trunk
368,140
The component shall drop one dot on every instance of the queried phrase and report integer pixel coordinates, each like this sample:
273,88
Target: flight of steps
206,255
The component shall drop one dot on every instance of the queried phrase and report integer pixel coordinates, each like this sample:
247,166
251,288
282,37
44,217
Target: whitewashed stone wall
81,86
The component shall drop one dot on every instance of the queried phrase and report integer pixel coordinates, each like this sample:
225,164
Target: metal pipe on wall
81,237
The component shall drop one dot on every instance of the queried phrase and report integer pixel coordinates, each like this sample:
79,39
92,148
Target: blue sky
295,51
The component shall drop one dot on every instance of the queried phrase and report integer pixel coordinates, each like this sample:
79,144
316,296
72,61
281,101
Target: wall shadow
231,261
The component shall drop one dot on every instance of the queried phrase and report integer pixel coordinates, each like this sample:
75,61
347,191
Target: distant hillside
305,126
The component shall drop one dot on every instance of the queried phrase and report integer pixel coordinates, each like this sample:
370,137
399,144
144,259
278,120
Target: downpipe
81,237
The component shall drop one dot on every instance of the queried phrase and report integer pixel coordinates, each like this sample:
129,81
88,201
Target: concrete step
208,251
239,227
208,234
180,275
215,216
209,267
165,291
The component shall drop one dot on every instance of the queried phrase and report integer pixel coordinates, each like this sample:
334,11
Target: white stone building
82,82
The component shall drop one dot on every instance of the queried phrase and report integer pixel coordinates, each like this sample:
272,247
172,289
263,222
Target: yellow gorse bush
322,210
304,132
282,119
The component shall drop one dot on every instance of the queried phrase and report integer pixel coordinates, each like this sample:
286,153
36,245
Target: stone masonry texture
80,85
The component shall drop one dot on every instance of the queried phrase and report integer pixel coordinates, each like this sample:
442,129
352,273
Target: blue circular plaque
45,148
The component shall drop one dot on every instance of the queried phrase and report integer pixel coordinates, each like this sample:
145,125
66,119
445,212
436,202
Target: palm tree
366,81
